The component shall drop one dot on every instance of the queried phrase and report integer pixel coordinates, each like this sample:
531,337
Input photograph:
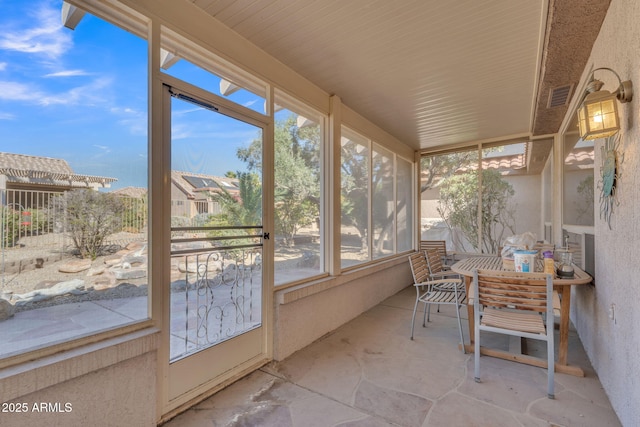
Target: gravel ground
31,248
34,247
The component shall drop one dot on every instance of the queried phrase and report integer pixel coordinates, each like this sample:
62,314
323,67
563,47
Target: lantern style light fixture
598,114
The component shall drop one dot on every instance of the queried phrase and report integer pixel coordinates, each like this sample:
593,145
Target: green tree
435,169
296,175
246,207
90,216
458,206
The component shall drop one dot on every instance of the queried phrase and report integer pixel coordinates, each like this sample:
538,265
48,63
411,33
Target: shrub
90,217
10,226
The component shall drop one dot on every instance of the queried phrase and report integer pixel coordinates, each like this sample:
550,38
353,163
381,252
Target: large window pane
579,204
404,206
578,185
449,199
73,177
383,202
299,133
355,180
513,193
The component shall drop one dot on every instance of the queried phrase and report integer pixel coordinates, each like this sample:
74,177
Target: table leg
565,306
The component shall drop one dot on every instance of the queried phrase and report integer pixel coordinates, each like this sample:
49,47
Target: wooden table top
468,265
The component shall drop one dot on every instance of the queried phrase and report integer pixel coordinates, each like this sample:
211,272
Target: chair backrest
440,245
419,267
434,260
507,289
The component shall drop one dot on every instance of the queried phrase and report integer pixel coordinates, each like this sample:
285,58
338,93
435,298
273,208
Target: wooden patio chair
517,304
441,247
434,291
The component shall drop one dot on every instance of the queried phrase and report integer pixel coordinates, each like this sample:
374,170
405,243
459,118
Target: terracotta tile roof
133,192
34,163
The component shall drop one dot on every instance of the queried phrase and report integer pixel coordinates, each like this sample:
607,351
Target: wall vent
559,96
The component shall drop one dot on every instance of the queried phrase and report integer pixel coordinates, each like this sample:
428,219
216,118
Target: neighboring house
191,193
26,175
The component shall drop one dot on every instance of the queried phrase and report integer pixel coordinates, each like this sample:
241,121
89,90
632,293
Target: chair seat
448,285
442,297
514,320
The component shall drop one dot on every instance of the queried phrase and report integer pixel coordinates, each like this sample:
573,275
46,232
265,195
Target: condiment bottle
549,267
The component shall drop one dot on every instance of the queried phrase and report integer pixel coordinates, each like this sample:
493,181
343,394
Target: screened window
449,199
183,59
383,202
298,196
74,190
404,205
376,201
355,182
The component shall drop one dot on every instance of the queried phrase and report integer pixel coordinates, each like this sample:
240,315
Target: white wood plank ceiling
430,72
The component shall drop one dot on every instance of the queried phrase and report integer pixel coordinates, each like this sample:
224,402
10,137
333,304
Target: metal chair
514,304
439,291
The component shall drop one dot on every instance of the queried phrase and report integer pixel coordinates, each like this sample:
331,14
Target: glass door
216,314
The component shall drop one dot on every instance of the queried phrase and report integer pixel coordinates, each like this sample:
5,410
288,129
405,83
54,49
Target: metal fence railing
30,213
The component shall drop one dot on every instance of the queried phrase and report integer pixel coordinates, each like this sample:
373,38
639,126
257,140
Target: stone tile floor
369,373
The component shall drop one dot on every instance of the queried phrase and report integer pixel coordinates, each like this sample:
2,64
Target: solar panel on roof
200,182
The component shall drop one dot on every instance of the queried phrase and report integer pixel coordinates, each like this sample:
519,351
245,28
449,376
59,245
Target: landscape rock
75,266
7,309
96,271
133,260
74,287
129,273
104,281
138,247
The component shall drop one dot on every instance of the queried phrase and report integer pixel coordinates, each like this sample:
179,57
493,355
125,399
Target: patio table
562,286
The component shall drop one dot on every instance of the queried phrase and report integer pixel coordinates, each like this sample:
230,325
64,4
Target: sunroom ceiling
430,72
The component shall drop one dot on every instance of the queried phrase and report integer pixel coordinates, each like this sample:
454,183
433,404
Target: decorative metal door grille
216,293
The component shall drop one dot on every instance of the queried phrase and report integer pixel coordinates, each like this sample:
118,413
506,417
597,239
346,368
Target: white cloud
7,116
15,91
3,66
89,94
134,120
46,36
68,73
103,148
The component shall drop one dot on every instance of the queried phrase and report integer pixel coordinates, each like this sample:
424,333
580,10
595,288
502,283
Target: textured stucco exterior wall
123,394
614,345
301,322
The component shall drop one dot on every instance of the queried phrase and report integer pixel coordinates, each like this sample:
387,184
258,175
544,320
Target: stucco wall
300,322
119,395
613,345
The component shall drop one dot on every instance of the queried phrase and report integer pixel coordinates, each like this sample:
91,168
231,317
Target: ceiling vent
559,96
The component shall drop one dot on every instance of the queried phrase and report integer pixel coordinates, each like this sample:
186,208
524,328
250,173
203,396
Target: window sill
29,377
294,293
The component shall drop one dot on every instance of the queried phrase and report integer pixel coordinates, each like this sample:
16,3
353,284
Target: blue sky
81,95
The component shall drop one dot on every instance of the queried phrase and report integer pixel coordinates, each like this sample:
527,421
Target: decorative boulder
75,266
6,309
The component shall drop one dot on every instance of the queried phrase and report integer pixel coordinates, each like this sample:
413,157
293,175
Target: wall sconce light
598,113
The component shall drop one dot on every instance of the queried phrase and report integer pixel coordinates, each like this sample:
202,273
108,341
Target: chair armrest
471,295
